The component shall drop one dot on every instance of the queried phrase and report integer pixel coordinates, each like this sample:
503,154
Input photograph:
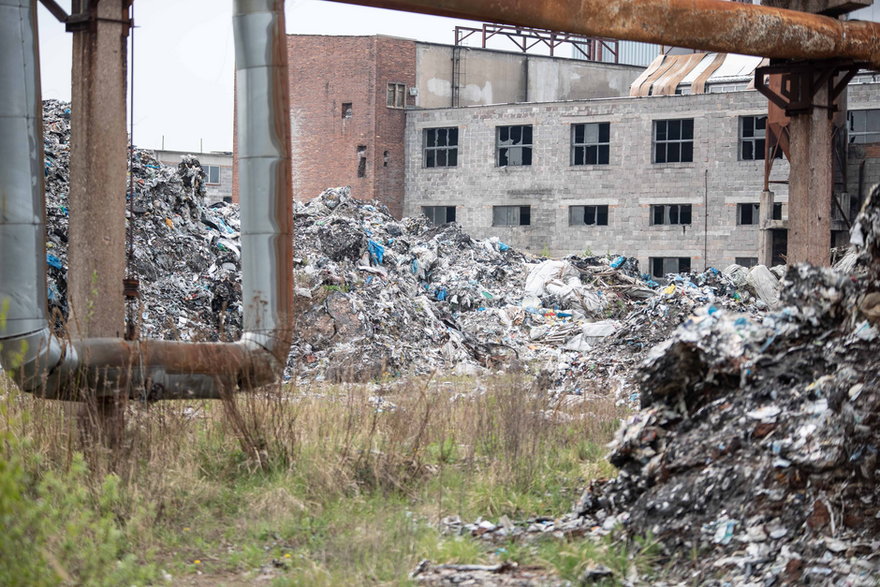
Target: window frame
395,95
755,213
667,215
857,136
447,149
599,212
679,260
432,211
600,147
666,143
207,170
521,212
508,146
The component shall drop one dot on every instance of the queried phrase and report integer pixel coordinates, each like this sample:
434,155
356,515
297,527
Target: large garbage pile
185,254
377,296
755,452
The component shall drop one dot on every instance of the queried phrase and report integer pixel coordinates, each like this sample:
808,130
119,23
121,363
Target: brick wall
327,72
629,185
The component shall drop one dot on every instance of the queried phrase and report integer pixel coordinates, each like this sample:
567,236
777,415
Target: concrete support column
98,171
810,185
765,235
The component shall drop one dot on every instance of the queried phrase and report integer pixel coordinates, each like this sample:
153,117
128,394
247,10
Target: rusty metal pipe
56,368
709,25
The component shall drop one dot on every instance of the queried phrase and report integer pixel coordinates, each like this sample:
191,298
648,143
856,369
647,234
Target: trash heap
377,296
754,457
185,254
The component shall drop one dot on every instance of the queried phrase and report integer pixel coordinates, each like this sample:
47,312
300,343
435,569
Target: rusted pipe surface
709,25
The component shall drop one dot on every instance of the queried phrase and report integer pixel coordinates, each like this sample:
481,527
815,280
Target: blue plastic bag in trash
377,252
54,261
616,263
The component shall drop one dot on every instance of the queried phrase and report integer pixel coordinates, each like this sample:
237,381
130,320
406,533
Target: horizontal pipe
708,25
51,367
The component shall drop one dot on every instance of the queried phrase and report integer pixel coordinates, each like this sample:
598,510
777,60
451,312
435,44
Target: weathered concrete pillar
765,235
98,171
810,185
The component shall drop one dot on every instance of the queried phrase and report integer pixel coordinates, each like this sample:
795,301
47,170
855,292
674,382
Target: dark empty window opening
514,145
671,214
440,147
511,215
746,261
777,211
385,157
660,266
674,141
362,161
439,214
863,126
590,143
588,215
346,110
747,213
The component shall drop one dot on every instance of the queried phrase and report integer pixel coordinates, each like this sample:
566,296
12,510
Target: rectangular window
439,214
671,214
674,141
660,266
752,135
864,126
396,95
514,145
747,213
590,143
511,215
746,261
777,211
588,215
346,110
212,174
440,147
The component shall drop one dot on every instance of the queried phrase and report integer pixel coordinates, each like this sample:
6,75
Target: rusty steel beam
709,25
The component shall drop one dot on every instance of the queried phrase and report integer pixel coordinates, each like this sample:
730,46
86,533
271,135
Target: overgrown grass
328,485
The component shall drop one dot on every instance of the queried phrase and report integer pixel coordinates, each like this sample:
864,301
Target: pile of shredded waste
754,457
379,297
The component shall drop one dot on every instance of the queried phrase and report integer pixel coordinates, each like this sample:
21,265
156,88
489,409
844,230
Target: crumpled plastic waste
754,457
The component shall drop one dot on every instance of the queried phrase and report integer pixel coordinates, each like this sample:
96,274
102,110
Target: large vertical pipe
109,367
263,119
25,341
98,171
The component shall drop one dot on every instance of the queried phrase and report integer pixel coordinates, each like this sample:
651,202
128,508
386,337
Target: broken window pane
588,215
671,214
346,110
752,138
747,213
589,143
362,161
441,147
514,145
439,214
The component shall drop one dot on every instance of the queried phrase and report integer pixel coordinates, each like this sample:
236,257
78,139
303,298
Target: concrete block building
673,180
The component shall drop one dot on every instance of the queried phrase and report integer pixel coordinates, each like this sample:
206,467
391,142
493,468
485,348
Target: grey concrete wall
629,185
863,169
497,77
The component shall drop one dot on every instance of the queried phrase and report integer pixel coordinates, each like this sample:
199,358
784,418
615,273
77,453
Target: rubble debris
754,457
378,297
186,254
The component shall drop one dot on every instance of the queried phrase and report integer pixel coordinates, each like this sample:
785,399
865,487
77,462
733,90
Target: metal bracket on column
802,79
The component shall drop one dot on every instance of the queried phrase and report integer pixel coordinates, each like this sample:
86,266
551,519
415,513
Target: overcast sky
184,61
